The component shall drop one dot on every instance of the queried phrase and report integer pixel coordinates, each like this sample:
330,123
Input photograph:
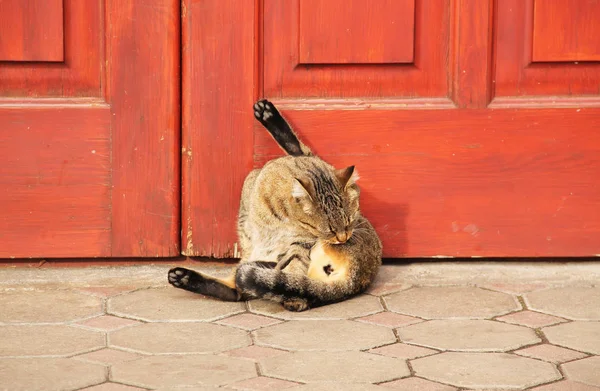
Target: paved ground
422,326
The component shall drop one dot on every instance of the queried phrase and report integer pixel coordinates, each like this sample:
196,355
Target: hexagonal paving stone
248,321
566,385
468,335
403,351
324,335
585,371
110,386
357,306
515,288
485,370
255,352
451,302
390,319
329,386
577,303
550,353
108,356
188,337
388,280
183,370
40,307
199,388
262,383
416,383
31,374
583,336
107,291
46,340
530,319
107,323
167,304
353,367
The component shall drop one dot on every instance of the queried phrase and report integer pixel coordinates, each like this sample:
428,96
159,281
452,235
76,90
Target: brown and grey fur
304,242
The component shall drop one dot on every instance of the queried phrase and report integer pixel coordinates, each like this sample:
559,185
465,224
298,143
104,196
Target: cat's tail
266,113
255,281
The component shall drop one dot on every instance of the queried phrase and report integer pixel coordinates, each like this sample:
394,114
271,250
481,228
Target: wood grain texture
356,31
95,177
479,182
443,174
218,91
81,72
566,30
471,55
143,91
286,77
516,73
55,181
31,31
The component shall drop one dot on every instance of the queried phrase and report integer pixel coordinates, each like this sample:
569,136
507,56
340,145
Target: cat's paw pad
295,305
179,277
264,110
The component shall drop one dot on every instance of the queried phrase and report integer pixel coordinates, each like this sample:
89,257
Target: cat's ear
303,188
347,176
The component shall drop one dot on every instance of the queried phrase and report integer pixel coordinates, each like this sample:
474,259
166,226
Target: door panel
566,30
287,75
55,186
356,32
428,186
89,145
519,74
39,25
471,148
79,74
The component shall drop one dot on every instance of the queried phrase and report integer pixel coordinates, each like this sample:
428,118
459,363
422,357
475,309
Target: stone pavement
422,326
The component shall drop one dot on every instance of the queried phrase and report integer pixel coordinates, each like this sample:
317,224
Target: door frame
217,138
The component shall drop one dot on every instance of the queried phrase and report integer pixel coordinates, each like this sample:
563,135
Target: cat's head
327,203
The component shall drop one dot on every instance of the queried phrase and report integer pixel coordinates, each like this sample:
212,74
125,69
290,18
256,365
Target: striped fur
304,242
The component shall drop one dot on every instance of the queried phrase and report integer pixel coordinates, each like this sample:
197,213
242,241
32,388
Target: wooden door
475,124
89,128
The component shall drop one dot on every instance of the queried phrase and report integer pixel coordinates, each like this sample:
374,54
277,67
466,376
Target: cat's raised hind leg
193,281
266,113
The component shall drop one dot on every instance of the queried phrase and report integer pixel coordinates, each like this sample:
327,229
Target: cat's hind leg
266,113
193,281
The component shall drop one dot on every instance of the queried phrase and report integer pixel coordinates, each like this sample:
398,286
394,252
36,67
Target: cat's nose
342,237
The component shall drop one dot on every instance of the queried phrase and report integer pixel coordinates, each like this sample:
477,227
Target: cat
304,241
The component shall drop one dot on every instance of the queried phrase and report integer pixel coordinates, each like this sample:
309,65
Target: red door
474,124
89,128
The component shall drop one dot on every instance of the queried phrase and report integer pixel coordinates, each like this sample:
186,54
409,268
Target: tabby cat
304,242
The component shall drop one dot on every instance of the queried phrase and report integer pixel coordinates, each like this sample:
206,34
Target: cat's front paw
179,277
264,111
295,304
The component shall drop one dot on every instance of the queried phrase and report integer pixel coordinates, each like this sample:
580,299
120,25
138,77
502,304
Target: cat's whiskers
361,224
